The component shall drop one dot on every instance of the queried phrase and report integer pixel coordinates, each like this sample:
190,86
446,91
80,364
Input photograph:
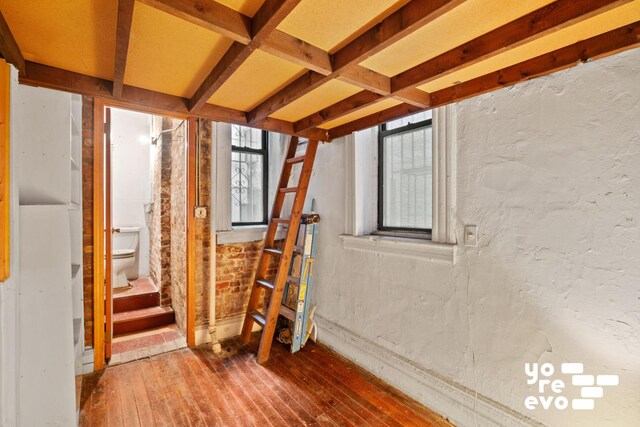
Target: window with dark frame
249,176
405,168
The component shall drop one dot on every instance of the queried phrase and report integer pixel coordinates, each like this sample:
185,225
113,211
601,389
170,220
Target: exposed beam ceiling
550,18
532,26
615,41
404,21
123,34
147,100
9,48
268,17
313,62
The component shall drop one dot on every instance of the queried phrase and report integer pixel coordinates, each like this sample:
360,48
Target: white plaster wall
550,172
131,178
9,290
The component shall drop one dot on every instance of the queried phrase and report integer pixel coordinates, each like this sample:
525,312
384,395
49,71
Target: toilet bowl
123,259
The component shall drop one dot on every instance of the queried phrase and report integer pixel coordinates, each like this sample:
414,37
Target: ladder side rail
268,241
287,252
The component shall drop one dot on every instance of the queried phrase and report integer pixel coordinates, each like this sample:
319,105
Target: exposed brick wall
178,223
235,267
160,219
161,227
87,217
203,227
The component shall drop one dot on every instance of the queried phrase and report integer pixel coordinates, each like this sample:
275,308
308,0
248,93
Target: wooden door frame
99,105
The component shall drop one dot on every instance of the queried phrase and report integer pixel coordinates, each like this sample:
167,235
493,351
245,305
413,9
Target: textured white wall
9,290
550,172
131,177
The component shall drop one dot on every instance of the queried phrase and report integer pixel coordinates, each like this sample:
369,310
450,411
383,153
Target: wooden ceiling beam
536,24
9,49
609,43
265,21
337,110
208,14
123,33
548,19
299,52
146,100
395,27
401,23
302,85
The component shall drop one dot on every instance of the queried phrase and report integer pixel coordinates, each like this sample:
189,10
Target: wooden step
289,190
287,313
298,159
131,301
258,318
273,251
265,284
280,220
143,319
295,280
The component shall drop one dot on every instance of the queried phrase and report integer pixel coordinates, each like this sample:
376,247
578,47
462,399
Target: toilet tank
127,238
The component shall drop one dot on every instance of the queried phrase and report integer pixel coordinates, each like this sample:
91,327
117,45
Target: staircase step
143,319
138,301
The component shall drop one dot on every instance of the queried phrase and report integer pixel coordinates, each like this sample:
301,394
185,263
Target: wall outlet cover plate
471,235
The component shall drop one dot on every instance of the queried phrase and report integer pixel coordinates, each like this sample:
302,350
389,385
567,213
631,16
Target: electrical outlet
471,235
200,212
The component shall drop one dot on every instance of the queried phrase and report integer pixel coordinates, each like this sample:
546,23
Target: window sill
246,234
405,247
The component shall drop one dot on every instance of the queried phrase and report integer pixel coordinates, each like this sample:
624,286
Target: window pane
247,203
407,180
418,117
242,136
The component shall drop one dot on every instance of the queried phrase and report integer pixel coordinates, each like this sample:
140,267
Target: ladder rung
292,279
280,220
265,284
273,251
289,190
298,159
258,318
287,313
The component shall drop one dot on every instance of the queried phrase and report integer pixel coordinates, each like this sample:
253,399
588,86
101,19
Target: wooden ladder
261,282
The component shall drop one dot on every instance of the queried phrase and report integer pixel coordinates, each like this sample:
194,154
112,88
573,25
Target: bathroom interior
148,211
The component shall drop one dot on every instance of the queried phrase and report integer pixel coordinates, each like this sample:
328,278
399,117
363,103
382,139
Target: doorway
145,192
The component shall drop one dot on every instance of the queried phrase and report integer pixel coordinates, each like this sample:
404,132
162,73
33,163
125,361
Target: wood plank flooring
194,387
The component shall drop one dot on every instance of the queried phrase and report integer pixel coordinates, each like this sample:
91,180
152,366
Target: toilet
125,243
123,260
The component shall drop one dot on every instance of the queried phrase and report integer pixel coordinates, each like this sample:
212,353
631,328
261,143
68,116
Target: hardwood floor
195,387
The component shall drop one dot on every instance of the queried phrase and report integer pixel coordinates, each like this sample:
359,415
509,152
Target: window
249,175
405,168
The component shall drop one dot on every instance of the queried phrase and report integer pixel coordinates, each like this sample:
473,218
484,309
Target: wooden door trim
108,238
192,160
98,229
98,236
